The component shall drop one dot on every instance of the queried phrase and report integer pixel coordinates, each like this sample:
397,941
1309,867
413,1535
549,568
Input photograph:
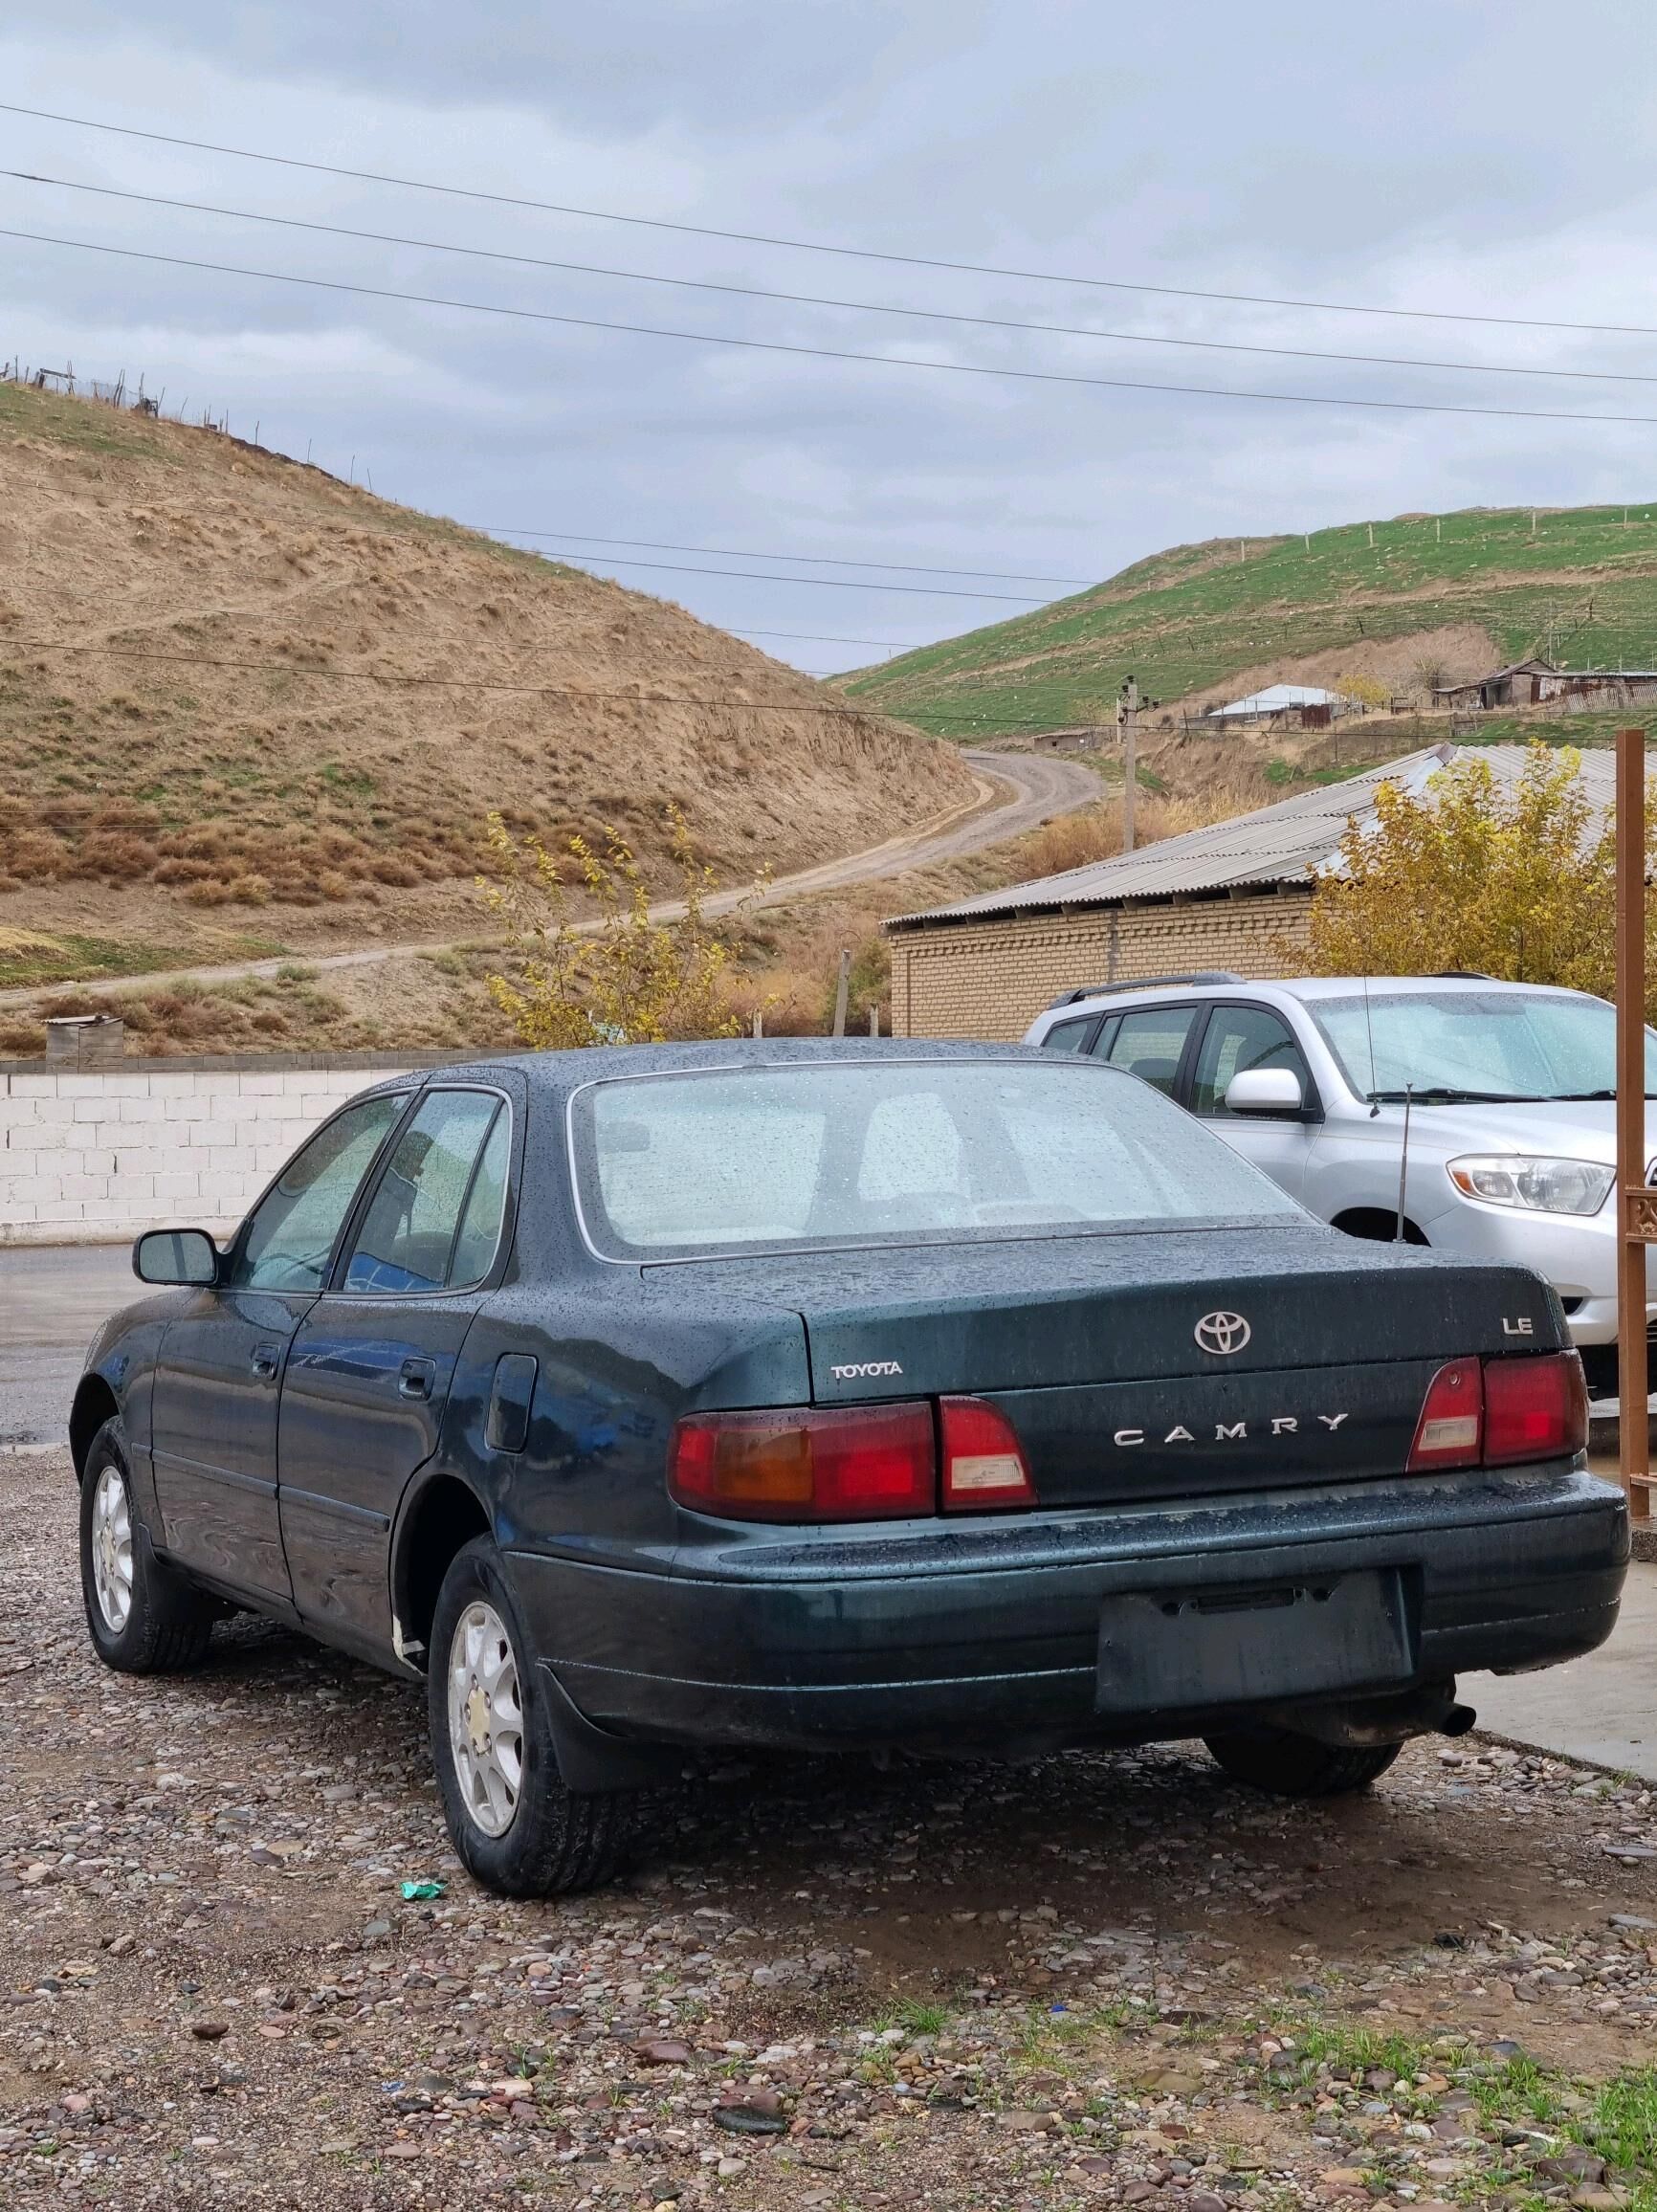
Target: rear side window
1238,1039
409,1235
1150,1044
1069,1036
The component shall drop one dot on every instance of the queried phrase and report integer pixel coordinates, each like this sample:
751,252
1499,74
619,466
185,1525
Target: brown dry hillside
214,764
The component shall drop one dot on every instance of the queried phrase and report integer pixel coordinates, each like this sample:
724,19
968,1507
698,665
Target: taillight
983,1463
1450,1430
1496,1412
841,1463
1534,1408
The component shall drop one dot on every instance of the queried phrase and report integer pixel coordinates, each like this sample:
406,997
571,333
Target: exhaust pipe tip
1458,1720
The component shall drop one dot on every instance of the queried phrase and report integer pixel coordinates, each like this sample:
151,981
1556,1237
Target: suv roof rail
1145,983
1461,975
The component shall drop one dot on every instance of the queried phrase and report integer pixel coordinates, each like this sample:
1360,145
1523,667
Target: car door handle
265,1360
415,1378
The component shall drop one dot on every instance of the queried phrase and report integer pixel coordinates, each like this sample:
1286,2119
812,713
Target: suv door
1239,1036
369,1376
217,1379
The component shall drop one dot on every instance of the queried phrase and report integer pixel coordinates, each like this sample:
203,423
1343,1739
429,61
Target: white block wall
92,1154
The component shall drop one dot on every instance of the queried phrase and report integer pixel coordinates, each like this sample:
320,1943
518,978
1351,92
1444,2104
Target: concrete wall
990,978
94,1155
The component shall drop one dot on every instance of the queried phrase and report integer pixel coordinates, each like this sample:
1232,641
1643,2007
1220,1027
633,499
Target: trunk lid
1096,1348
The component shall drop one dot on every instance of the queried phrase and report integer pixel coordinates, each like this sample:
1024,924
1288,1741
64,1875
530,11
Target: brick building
1233,895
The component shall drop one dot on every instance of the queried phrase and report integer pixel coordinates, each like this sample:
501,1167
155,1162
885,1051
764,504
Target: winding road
1016,792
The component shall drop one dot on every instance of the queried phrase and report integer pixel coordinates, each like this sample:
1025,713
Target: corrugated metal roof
1276,698
1277,844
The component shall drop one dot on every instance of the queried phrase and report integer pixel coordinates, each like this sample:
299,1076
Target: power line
571,692
814,637
751,553
832,353
821,246
814,583
817,300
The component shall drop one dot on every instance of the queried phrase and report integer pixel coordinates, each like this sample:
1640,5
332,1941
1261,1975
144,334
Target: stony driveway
1107,1978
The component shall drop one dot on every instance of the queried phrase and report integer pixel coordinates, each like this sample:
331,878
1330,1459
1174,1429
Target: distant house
1527,683
1282,705
1235,894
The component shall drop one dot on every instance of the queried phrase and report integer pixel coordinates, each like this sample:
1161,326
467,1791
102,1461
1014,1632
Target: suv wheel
515,1824
1284,1764
143,1616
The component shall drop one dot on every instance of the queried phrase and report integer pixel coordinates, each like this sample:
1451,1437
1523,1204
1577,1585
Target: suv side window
1239,1038
1150,1043
408,1236
290,1233
1069,1036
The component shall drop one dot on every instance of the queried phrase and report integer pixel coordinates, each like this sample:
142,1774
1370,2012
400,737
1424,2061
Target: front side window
409,1237
291,1234
1237,1040
784,1158
1150,1044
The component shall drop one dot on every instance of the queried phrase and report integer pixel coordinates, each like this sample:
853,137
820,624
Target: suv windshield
781,1157
1462,1047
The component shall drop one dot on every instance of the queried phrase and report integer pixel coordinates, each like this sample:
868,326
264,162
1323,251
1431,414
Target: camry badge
1221,1334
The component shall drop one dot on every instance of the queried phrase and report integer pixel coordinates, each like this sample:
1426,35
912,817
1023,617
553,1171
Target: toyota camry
942,1398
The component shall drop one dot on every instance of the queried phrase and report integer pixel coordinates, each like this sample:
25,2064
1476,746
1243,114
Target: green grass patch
1584,584
27,957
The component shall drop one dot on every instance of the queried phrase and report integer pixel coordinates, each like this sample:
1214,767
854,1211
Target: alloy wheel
112,1549
486,1718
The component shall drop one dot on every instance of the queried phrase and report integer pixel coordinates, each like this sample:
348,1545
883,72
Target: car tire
143,1615
517,1828
1284,1764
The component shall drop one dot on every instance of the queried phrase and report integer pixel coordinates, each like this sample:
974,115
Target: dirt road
1016,792
1109,1978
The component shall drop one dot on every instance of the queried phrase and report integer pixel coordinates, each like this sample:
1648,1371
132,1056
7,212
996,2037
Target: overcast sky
1438,154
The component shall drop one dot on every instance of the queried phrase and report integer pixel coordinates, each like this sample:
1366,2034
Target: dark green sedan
948,1399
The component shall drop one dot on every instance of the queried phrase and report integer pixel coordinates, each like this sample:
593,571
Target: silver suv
1513,1141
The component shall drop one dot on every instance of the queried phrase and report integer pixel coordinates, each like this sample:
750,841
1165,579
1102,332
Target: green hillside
1581,581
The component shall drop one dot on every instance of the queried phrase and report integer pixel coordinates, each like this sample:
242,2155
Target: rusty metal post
1633,1200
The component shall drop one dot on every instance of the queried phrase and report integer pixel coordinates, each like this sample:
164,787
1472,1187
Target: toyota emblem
1221,1334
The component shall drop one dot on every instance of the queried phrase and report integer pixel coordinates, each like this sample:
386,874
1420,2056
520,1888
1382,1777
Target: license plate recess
1163,1649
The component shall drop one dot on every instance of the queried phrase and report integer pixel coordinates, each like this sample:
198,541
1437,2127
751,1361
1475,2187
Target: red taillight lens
1495,1412
842,1463
1534,1408
1450,1430
983,1463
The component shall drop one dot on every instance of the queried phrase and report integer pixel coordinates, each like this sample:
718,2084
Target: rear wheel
1284,1764
143,1616
515,1824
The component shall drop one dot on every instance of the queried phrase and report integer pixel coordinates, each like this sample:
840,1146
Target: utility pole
1637,1206
1128,722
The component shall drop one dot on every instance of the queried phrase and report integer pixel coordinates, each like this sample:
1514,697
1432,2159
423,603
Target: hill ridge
1191,621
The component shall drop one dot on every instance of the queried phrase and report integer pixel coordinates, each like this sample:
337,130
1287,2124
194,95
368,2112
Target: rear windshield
783,1158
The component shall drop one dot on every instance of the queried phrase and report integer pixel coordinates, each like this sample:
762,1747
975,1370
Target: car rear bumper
933,1635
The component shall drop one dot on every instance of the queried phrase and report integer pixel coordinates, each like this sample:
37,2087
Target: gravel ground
1107,1978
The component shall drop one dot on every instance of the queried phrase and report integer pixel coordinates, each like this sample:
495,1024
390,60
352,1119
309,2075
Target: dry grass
245,772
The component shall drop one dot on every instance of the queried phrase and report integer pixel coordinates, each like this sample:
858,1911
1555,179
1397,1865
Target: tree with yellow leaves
1513,881
623,978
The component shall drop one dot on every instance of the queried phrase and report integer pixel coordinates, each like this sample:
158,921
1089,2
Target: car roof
567,1070
1308,988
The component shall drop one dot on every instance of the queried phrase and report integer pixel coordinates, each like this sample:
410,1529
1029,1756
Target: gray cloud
1404,158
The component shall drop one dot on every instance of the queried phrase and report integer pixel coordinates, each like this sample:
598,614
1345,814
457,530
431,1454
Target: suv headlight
1539,1184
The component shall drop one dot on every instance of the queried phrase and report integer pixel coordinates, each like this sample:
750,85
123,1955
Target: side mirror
1267,1091
176,1255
